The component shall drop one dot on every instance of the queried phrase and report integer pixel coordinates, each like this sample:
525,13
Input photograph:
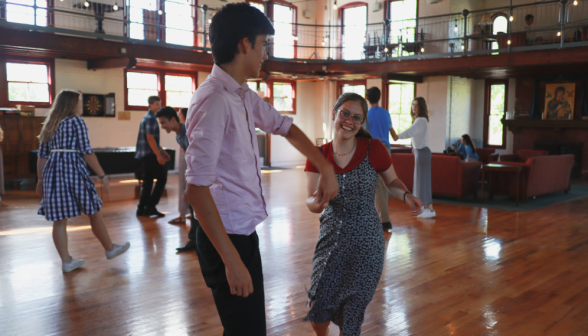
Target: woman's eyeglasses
346,115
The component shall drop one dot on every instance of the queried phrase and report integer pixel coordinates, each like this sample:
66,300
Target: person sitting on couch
467,150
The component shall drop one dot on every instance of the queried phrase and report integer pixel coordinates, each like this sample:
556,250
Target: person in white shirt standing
422,156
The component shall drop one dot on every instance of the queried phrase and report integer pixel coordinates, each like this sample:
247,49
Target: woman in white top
422,156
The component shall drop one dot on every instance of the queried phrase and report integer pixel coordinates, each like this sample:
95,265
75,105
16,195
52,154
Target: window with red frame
358,86
494,109
174,89
29,83
353,17
283,95
23,11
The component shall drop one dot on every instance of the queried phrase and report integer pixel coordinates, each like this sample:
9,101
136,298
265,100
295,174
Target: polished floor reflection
470,271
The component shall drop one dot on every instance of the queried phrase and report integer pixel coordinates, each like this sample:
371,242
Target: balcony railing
180,23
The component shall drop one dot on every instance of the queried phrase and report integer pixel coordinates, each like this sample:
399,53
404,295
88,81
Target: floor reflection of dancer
64,183
349,255
171,121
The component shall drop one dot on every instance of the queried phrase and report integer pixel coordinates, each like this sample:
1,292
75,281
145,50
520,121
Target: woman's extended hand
414,202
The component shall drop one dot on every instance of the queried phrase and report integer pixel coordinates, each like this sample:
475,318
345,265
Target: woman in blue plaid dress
64,183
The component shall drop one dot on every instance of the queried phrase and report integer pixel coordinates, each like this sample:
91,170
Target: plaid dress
67,188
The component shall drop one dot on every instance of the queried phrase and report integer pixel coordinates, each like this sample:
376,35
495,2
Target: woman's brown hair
350,96
469,142
423,110
66,105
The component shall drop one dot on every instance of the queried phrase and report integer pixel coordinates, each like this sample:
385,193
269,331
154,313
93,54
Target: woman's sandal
177,221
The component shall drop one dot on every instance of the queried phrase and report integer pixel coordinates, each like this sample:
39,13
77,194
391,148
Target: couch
522,155
542,175
449,175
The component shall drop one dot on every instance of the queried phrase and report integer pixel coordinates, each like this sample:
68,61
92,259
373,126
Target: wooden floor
470,271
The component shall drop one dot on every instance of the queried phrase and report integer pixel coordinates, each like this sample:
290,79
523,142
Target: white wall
434,90
282,152
460,97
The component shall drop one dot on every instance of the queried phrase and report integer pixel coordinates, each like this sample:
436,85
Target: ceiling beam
403,78
111,63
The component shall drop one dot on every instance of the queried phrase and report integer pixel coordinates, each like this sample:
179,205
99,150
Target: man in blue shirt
379,125
170,122
153,159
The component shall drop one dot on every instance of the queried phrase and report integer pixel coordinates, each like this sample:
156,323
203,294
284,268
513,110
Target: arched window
499,25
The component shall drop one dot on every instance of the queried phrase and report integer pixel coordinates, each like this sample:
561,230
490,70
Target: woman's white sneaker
427,213
117,250
72,265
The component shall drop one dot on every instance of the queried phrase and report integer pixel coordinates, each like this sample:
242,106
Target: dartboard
94,105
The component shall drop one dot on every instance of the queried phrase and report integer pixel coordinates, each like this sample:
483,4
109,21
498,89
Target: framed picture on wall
559,101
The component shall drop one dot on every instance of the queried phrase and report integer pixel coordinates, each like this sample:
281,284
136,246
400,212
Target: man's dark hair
529,17
167,112
153,99
184,112
233,23
373,95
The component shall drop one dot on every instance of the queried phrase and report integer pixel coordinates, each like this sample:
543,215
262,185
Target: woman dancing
349,255
64,182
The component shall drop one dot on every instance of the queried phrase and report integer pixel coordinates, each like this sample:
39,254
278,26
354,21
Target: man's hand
161,159
165,155
319,205
328,186
239,278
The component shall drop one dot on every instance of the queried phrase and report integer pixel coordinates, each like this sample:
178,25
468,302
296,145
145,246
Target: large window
179,22
18,11
358,87
500,25
140,86
402,14
284,19
281,94
283,97
144,16
354,22
174,89
178,90
495,104
258,5
400,97
261,88
28,82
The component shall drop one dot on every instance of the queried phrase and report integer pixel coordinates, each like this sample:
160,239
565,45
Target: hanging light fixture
462,47
575,2
160,12
86,4
115,7
335,5
508,42
455,29
422,50
558,33
511,19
